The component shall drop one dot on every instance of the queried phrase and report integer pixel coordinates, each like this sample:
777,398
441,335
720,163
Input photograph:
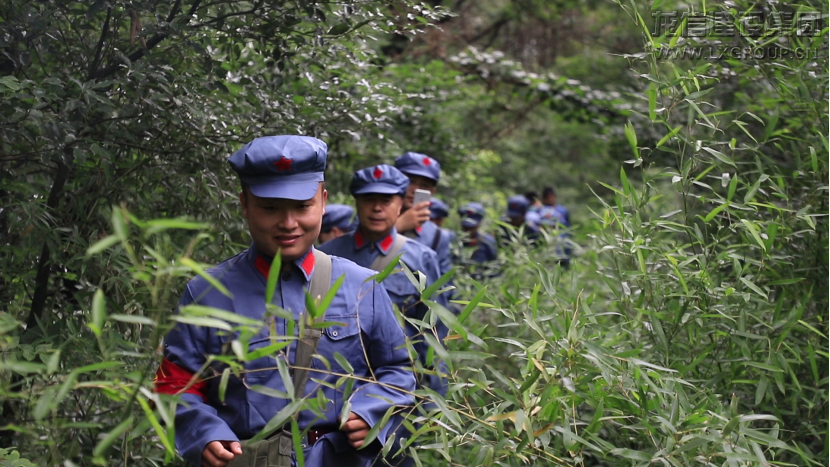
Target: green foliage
691,328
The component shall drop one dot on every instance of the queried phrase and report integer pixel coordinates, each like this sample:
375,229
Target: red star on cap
283,164
377,173
426,161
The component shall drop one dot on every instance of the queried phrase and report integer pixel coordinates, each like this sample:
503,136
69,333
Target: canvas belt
276,451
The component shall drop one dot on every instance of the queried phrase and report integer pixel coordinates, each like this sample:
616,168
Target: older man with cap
338,220
423,173
283,198
379,193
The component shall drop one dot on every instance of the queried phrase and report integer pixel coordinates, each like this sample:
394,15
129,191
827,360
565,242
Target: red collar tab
307,264
359,241
263,266
385,244
418,229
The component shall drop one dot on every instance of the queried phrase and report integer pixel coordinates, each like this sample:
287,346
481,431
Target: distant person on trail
549,200
533,199
283,197
338,220
556,217
438,212
477,246
423,173
518,217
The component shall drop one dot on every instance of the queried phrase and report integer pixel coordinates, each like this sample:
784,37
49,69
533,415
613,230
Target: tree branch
493,28
154,41
217,19
96,59
43,266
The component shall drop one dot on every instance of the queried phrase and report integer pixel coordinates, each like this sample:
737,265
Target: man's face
417,182
550,200
439,221
330,235
285,225
378,213
517,221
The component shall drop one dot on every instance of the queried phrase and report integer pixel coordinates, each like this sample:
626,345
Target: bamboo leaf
112,436
102,245
273,277
223,384
154,421
326,301
198,269
381,276
669,135
719,156
631,135
753,230
652,101
733,186
203,321
624,181
278,420
753,287
714,212
343,362
435,286
99,313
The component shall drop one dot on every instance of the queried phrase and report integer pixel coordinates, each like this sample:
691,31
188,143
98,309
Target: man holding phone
423,173
379,192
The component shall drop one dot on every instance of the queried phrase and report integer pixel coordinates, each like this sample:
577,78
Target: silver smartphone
421,196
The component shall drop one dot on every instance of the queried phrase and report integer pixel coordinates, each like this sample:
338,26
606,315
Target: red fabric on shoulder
308,263
386,243
263,266
171,379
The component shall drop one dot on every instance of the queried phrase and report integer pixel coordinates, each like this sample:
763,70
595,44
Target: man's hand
219,453
356,430
413,218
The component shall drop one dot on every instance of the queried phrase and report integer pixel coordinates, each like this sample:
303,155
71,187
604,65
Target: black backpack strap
436,239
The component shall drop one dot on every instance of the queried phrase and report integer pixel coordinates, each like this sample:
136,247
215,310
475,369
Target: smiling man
283,199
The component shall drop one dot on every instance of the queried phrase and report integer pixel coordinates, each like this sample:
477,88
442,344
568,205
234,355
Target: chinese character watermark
721,24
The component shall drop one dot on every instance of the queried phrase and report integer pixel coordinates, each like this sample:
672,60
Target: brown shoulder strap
380,263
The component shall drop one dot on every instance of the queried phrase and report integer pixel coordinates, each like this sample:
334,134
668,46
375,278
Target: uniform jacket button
286,277
334,333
